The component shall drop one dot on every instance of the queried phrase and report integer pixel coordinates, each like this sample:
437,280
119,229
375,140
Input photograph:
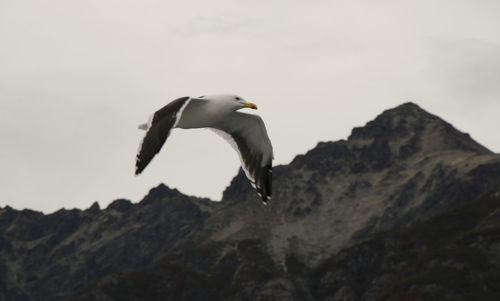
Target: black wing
161,124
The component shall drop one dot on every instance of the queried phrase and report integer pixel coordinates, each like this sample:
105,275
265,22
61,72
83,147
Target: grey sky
76,77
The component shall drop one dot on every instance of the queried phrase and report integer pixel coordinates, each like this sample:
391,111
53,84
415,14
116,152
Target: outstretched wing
158,130
248,136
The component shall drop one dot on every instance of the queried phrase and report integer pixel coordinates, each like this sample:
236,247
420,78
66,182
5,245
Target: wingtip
138,170
265,199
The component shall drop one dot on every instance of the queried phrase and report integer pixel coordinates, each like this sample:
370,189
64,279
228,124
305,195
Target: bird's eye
237,98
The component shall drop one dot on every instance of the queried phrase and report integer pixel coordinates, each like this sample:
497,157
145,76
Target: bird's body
245,132
200,113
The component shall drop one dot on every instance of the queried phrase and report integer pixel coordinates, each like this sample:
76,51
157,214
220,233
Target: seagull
246,133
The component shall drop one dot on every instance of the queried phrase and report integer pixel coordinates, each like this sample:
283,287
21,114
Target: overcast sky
76,77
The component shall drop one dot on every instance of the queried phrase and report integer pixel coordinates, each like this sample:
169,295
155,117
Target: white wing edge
179,113
146,126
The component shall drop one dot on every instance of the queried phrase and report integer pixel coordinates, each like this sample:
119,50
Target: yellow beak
250,105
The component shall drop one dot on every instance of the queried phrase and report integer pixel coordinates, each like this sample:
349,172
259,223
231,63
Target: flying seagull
245,132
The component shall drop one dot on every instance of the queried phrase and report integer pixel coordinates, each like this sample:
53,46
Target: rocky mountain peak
160,192
394,123
408,129
239,186
120,205
396,135
94,208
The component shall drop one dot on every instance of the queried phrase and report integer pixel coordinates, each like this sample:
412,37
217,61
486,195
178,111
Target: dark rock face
390,212
452,256
52,255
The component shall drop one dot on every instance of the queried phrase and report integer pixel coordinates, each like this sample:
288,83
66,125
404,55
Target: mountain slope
452,256
397,171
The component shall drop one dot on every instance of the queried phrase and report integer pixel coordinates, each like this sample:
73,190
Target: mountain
354,219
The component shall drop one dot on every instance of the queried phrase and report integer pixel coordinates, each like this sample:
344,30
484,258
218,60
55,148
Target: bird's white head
235,101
